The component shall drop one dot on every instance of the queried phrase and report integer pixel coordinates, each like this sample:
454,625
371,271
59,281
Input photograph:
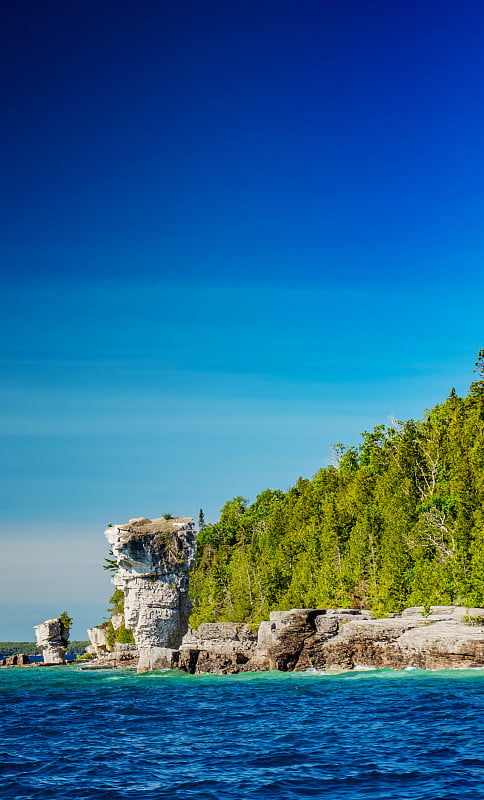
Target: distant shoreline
11,648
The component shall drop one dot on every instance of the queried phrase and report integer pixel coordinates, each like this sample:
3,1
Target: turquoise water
376,734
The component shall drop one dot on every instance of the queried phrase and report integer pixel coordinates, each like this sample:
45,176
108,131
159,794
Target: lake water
372,735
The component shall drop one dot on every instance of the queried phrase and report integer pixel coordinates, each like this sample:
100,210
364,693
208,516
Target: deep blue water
39,659
67,733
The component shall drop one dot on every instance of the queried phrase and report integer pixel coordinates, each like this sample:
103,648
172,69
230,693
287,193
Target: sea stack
53,638
154,557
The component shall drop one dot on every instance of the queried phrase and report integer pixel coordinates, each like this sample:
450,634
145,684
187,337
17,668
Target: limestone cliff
153,558
449,637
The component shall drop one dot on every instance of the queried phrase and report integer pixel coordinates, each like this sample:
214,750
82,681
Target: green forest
397,521
31,649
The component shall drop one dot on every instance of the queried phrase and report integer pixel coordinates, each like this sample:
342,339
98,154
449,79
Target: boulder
17,660
294,639
152,658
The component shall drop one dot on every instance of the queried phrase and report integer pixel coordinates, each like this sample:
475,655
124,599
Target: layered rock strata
121,655
153,558
53,638
221,647
101,647
99,644
335,639
449,637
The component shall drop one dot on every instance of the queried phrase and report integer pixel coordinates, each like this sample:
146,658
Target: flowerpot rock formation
154,557
53,638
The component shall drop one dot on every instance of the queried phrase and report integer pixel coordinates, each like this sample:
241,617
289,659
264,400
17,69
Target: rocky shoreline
154,557
449,637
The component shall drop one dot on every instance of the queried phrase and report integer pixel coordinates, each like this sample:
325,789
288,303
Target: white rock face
157,658
441,642
116,621
99,644
53,639
153,558
221,637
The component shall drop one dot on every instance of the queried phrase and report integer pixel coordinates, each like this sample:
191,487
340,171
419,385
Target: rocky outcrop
153,558
99,644
222,647
448,637
117,621
294,639
18,660
122,655
53,638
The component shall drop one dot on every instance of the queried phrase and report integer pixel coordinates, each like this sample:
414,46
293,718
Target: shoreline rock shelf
331,639
449,637
16,660
153,558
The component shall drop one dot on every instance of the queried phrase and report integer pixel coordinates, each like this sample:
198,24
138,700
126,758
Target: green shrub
124,635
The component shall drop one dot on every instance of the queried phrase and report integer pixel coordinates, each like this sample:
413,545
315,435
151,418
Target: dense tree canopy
398,521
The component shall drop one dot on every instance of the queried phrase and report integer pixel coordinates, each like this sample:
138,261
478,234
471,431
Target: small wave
360,733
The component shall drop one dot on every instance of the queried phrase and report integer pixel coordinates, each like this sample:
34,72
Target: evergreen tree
397,521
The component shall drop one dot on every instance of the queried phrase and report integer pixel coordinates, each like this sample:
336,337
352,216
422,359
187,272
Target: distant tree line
31,649
396,521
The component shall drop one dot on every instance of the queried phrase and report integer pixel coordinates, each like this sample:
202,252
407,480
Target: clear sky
231,235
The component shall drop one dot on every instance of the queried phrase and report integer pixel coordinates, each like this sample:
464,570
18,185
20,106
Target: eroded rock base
325,639
18,660
450,637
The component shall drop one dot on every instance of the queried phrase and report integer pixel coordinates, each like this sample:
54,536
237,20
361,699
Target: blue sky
231,235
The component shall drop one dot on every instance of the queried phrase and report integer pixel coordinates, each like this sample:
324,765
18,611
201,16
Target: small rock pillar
53,638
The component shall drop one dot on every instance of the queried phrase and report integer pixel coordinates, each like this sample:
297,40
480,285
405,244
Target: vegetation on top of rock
66,622
398,521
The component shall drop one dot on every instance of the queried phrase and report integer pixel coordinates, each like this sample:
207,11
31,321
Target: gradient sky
231,235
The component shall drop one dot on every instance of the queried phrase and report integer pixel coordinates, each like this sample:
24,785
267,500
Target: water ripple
377,735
